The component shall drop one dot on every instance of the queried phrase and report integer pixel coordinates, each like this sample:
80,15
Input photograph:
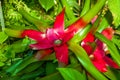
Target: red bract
108,32
55,38
99,58
89,38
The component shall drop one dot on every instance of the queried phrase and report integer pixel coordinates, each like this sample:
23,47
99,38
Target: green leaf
85,8
116,40
14,66
27,61
74,4
3,37
71,74
13,33
105,22
50,68
46,4
2,64
1,17
31,67
114,7
32,75
57,76
68,10
112,74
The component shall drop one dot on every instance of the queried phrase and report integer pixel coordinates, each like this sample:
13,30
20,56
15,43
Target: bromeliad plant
83,37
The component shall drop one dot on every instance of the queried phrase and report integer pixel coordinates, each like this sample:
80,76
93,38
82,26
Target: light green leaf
68,10
71,74
2,64
105,22
46,4
114,7
116,40
3,37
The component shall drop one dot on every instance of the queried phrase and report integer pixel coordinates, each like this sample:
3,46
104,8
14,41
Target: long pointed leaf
71,74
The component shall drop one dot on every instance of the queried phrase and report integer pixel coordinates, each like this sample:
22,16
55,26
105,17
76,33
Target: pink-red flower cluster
96,50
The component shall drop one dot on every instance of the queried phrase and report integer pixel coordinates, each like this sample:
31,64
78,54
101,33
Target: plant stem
1,17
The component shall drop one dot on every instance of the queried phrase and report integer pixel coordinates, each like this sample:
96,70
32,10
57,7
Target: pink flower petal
33,34
100,65
89,38
59,22
62,53
110,62
52,35
98,61
108,32
99,44
67,36
44,44
88,48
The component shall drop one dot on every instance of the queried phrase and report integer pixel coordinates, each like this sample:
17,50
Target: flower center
57,42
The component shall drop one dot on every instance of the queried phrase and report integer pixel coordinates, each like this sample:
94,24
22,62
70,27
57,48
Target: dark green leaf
71,74
46,4
25,62
31,67
54,76
50,68
32,75
116,40
110,74
105,21
57,76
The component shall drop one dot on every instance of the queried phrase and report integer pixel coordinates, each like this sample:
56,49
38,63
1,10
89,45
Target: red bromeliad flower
98,56
53,38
